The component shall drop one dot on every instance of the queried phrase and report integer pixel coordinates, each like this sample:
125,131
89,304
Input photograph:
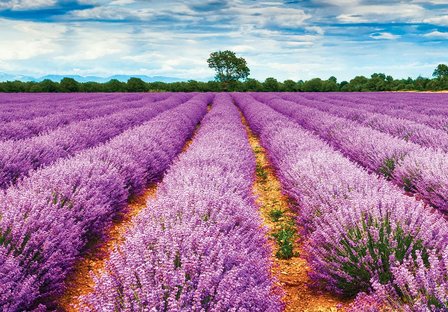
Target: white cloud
437,34
431,1
265,16
316,29
437,20
176,40
26,40
26,4
112,13
381,13
122,2
384,36
342,3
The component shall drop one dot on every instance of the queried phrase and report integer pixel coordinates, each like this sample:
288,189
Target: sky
282,39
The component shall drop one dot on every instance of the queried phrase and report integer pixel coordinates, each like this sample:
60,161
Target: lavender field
224,202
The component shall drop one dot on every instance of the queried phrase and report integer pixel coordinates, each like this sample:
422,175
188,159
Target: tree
441,71
114,85
271,85
252,85
313,85
69,85
136,85
45,85
228,66
290,85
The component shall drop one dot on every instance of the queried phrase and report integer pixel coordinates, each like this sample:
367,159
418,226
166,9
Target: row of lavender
17,158
416,169
361,234
402,128
20,129
435,121
429,104
199,246
43,105
47,218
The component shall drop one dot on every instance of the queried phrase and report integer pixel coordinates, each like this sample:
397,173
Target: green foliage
388,167
261,173
275,214
367,248
441,71
228,76
228,66
271,85
136,85
313,85
114,85
45,86
285,241
69,85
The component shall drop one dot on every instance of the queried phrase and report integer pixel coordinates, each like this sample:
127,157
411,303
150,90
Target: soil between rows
292,273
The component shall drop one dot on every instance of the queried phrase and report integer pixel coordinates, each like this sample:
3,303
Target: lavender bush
399,127
409,165
199,246
48,217
358,227
384,106
26,128
15,107
17,158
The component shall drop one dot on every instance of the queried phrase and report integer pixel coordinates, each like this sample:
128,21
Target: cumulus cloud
27,40
270,16
295,39
382,13
384,36
112,13
26,4
437,20
437,34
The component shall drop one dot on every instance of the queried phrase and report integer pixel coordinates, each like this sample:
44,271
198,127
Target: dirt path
291,271
80,282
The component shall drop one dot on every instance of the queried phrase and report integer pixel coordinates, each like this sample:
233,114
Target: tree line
232,74
377,82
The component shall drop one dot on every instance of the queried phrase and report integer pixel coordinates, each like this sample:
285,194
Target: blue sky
283,39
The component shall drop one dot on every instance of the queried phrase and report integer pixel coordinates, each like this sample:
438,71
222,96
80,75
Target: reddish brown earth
292,274
80,282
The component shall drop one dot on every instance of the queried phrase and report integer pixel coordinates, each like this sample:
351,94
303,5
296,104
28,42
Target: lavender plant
199,246
358,227
17,158
405,163
22,129
47,219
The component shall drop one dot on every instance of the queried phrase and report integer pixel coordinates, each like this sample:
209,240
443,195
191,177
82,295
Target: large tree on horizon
441,71
228,66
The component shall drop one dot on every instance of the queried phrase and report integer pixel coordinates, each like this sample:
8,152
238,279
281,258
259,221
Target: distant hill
57,78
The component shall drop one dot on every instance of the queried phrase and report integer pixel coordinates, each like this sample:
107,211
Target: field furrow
199,245
52,104
361,234
18,158
290,266
433,121
80,282
402,128
49,218
414,168
260,202
22,129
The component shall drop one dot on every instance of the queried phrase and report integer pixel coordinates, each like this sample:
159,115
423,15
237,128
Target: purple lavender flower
199,245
